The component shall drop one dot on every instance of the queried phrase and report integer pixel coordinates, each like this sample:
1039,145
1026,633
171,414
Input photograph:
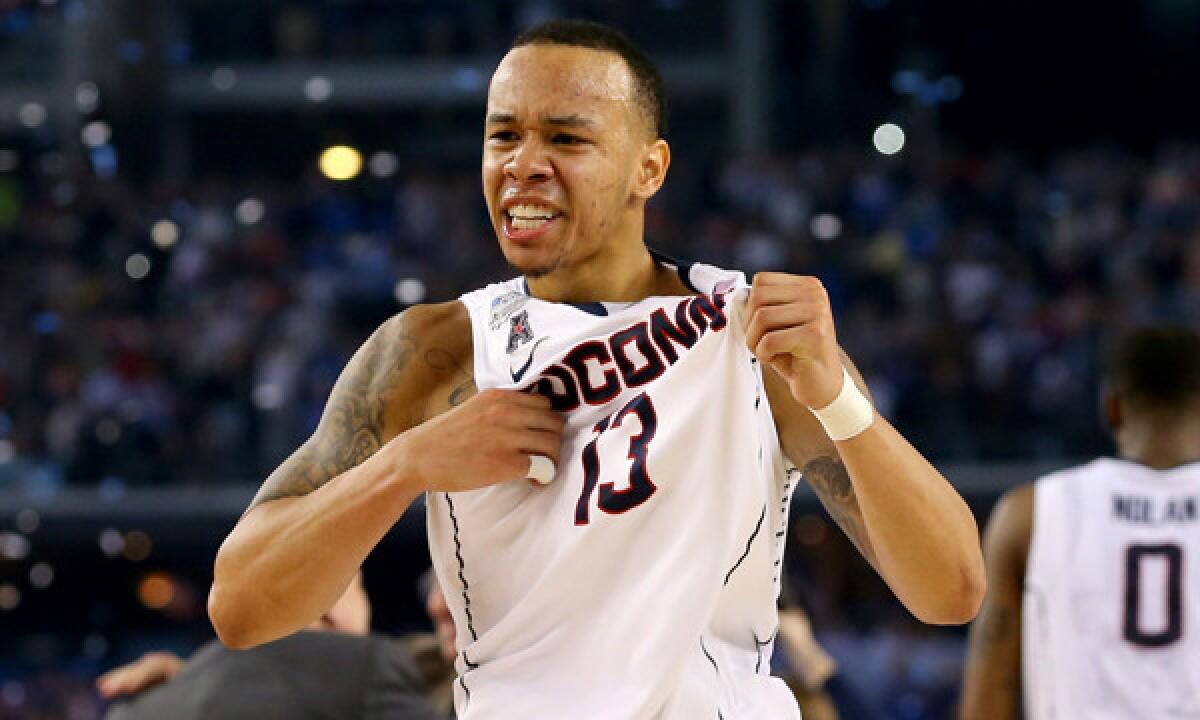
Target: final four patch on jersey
504,306
519,331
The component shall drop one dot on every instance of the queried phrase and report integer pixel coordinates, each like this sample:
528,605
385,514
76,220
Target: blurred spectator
287,678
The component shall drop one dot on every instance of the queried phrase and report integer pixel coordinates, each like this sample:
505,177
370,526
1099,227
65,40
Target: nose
529,162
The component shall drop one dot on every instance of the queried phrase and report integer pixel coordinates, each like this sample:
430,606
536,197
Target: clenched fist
790,327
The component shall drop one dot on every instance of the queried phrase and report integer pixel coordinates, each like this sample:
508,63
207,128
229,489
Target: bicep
363,411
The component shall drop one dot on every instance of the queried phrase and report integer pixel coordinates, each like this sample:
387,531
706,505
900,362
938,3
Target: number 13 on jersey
640,487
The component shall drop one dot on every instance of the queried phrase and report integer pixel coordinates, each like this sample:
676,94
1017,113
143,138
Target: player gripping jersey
650,563
637,577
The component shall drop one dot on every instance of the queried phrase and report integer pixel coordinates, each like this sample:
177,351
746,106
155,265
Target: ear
652,169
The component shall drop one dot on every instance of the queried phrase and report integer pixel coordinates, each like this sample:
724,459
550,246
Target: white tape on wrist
541,469
849,414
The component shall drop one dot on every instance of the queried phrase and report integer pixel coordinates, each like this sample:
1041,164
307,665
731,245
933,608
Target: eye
503,136
567,139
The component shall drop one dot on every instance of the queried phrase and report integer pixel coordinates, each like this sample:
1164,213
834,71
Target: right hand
486,440
149,670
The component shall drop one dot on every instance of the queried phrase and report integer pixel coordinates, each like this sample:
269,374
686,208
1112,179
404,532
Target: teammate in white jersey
1093,605
640,580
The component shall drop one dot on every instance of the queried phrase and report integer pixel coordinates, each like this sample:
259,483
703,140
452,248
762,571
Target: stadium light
383,164
87,97
156,590
250,211
165,234
889,138
137,266
340,162
32,115
318,88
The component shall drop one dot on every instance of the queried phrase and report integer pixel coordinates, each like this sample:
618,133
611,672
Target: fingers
777,317
524,399
789,341
487,439
536,442
776,279
151,669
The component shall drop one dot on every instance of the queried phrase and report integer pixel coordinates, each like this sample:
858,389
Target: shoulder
1015,506
419,358
443,325
1010,526
411,359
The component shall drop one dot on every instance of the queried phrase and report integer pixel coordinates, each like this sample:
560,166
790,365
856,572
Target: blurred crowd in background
190,334
175,320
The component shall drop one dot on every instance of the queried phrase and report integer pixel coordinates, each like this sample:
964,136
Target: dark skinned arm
992,679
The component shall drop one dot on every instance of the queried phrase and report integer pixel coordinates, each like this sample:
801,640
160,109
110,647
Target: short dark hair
648,83
1157,370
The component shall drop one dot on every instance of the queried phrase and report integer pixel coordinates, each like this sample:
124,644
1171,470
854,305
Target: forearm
289,559
923,536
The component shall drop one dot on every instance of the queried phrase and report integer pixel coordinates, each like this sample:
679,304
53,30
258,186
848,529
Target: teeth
530,211
521,223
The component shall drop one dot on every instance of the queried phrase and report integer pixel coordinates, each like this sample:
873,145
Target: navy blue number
591,473
640,486
1173,631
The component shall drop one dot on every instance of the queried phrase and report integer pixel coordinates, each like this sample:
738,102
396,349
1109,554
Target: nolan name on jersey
1145,510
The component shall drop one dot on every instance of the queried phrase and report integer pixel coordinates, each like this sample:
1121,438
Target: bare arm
905,518
901,514
391,430
992,679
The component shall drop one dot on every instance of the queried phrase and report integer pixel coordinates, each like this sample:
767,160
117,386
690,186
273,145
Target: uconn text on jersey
659,340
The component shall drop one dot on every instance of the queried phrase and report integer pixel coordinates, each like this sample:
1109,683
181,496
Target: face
351,613
568,157
443,621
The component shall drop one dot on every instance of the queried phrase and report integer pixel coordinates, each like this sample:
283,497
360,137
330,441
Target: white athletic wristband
849,414
541,469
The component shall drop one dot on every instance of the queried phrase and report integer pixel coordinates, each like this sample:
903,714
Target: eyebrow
560,120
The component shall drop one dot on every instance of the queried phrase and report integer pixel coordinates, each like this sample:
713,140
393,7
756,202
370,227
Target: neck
1160,445
620,273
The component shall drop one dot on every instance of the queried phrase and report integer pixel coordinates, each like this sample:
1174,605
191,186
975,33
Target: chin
528,262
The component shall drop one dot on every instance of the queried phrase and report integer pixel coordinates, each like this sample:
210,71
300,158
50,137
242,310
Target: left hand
790,327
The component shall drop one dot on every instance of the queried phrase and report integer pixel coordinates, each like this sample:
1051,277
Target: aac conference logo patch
519,331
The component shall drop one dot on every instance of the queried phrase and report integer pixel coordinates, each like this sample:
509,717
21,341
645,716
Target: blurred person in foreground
652,404
334,669
1093,605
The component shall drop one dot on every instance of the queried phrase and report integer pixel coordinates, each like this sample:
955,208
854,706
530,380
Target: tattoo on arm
352,428
462,393
831,482
445,362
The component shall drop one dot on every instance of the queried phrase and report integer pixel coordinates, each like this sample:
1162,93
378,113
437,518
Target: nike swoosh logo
518,374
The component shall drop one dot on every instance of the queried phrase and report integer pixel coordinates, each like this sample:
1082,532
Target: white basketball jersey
641,582
1111,620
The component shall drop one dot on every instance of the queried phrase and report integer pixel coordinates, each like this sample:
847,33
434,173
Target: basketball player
653,404
1094,587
